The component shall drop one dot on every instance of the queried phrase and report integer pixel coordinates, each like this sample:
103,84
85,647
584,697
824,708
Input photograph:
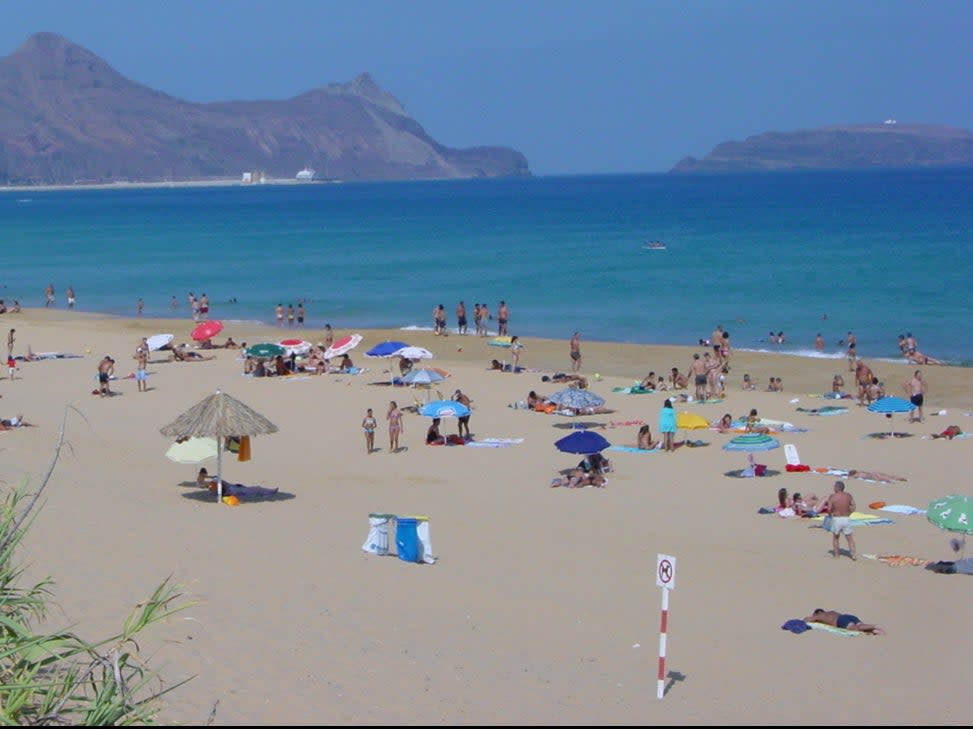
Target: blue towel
795,625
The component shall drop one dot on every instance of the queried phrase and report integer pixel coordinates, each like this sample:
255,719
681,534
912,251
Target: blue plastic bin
407,539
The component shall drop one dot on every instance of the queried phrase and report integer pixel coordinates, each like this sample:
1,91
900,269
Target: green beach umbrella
953,513
266,349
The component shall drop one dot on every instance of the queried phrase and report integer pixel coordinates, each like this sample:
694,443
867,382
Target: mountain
856,146
67,116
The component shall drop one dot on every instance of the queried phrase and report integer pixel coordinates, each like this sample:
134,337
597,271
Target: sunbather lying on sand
875,476
17,421
579,479
183,354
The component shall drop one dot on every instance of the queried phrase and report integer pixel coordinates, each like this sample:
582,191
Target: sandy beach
542,606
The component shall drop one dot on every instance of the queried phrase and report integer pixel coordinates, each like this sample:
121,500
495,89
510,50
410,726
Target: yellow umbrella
691,421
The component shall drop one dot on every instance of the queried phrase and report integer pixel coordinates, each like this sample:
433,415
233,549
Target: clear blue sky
578,87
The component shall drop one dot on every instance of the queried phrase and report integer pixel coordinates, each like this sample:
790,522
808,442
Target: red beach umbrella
207,330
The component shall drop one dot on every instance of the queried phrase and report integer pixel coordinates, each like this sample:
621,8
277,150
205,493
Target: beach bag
760,469
377,541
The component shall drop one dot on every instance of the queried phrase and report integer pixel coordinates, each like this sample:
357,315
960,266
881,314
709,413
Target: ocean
878,253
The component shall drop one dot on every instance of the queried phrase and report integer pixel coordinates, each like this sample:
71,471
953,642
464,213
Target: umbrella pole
219,469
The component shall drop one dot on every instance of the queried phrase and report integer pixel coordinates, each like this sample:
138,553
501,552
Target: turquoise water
878,253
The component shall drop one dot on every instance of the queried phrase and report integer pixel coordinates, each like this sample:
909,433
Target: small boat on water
655,245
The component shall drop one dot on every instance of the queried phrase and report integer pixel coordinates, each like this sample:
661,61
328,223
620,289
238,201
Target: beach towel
633,449
897,560
494,442
834,630
901,509
633,390
858,518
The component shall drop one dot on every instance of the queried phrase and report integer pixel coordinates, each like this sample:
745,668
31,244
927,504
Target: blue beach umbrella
582,442
385,349
752,442
890,405
423,377
444,409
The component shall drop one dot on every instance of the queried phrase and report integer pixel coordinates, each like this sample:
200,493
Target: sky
577,86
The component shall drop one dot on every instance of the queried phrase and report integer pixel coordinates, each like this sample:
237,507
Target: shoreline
807,374
268,182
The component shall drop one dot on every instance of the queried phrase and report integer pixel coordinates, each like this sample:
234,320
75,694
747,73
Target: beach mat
834,630
632,449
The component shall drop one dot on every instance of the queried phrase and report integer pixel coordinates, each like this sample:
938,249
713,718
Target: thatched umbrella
218,416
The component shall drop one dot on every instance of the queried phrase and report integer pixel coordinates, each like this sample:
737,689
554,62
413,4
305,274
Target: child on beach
368,425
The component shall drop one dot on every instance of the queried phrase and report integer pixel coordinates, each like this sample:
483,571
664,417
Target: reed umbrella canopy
219,416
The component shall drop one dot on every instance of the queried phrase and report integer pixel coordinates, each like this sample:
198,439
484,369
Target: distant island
886,144
68,118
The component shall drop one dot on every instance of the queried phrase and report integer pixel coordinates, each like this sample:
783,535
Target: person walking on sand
575,348
368,424
852,343
667,426
394,418
141,362
10,343
916,389
840,506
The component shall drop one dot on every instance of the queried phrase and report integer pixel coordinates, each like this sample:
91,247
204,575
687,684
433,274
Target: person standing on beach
70,297
10,343
204,307
106,368
916,389
300,314
485,316
141,362
515,349
290,316
49,296
698,371
394,418
279,314
477,319
840,506
328,337
368,425
461,318
464,420
575,348
819,342
503,315
852,342
667,425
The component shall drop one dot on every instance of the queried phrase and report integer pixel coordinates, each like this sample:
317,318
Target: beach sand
542,607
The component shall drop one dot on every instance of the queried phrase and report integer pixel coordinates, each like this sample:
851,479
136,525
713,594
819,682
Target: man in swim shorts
916,387
841,505
698,370
142,361
845,621
576,352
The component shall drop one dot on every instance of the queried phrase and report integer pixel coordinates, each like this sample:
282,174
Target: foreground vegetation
60,678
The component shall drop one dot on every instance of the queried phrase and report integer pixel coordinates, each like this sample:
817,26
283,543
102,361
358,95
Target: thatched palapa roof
219,416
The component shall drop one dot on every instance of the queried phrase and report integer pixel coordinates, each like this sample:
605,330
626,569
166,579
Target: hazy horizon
578,88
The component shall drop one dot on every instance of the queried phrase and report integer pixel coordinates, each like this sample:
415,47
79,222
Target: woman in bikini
394,416
368,425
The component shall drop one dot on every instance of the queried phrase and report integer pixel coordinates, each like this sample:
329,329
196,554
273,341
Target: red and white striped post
665,577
